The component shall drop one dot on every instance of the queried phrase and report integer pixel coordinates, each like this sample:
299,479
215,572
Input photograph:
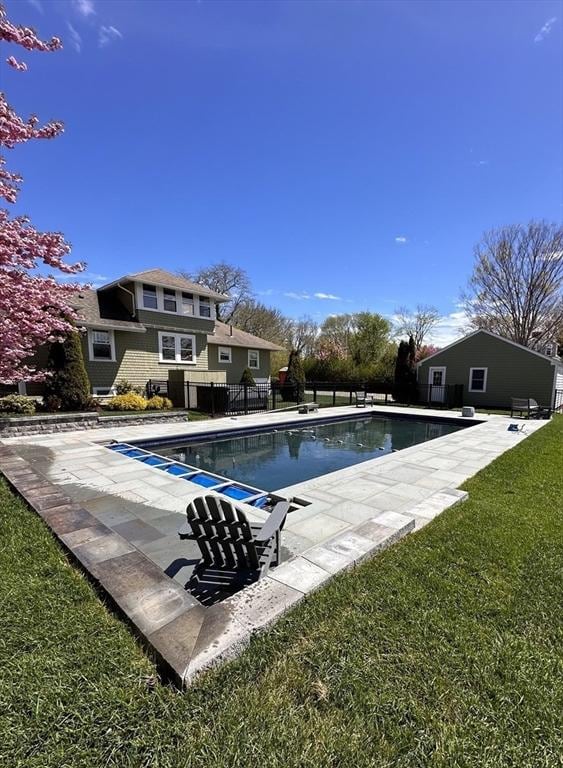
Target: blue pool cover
193,475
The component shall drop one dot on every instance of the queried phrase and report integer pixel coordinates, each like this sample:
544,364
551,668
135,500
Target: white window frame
179,305
188,302
207,303
485,377
257,353
177,348
169,294
96,391
142,302
91,357
229,353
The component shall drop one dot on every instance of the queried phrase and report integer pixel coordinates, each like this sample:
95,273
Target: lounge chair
528,406
234,552
363,399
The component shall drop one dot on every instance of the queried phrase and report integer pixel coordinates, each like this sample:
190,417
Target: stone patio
120,518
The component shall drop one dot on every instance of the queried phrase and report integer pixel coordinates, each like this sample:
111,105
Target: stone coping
185,636
391,496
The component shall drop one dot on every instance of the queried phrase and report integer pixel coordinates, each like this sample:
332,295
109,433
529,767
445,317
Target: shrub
123,387
128,402
247,378
68,383
17,404
158,403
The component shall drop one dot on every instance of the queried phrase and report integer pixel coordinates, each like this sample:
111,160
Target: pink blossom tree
34,309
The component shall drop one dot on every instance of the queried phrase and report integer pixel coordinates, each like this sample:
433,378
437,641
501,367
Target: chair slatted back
222,532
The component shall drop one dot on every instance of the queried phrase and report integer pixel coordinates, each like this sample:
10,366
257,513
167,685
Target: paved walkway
134,513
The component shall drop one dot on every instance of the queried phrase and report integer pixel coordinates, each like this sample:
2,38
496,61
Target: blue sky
348,155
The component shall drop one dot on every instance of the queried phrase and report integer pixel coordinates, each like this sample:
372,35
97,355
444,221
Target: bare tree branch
227,279
417,324
516,289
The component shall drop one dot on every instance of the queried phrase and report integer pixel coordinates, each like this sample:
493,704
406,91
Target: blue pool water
277,458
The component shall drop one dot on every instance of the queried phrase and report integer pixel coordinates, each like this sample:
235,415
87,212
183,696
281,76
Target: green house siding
184,323
137,359
239,356
512,371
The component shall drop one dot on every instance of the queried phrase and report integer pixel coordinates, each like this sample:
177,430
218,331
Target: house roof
167,280
98,309
229,336
552,360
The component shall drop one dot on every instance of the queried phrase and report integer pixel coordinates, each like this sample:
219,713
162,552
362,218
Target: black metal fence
441,396
221,398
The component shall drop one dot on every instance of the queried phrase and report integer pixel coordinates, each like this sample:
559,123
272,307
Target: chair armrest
185,531
274,523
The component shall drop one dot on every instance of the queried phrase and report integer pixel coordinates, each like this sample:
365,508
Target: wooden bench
528,406
308,407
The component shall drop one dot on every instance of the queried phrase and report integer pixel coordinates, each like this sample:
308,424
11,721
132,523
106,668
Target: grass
445,652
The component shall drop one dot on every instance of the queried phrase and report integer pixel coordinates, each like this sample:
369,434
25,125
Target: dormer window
187,303
204,306
170,304
149,296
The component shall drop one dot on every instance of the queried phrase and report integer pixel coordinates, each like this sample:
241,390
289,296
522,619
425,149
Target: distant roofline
555,360
137,277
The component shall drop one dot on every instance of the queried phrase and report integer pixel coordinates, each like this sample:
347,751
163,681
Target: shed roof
552,360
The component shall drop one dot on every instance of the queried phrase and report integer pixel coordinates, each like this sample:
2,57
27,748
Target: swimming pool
273,458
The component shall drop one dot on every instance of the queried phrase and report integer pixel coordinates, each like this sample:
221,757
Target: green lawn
444,651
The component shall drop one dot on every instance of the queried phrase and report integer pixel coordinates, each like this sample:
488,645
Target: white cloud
85,7
75,39
449,328
330,296
36,4
298,296
86,278
401,239
108,35
545,30
480,163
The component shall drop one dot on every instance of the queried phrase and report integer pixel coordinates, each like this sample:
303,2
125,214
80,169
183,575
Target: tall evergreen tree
68,387
294,388
405,372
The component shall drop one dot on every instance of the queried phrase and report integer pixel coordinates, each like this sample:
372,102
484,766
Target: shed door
437,384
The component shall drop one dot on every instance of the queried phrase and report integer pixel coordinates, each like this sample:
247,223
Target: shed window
253,359
149,296
478,379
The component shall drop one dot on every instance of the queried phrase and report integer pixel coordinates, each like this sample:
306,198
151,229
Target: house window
253,359
169,300
225,355
478,379
187,303
176,348
101,345
149,296
204,306
101,391
168,347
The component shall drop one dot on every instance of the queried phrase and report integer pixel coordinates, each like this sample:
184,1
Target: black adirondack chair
234,552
